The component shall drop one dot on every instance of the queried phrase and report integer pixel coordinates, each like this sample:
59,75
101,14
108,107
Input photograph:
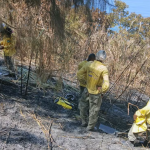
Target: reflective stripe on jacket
97,76
9,45
143,117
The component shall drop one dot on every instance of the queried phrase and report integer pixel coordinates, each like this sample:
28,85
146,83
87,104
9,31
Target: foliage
56,35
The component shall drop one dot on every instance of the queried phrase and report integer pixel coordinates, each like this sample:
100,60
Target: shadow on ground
15,136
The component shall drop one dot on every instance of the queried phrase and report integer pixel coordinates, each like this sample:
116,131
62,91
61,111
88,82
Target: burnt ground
34,122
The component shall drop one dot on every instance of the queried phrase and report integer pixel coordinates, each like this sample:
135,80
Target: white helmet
101,55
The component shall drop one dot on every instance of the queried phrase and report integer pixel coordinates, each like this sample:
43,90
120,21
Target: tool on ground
64,103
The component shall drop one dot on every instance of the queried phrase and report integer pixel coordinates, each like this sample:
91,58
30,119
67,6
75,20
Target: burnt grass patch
25,120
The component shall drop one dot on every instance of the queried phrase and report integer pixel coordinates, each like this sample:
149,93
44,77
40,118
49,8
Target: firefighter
97,84
8,46
141,124
82,80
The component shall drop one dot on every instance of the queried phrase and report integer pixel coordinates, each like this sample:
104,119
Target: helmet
101,55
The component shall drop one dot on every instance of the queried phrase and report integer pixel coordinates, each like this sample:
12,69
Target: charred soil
35,122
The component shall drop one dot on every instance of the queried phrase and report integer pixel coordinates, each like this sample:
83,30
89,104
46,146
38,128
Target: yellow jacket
82,77
81,64
9,45
143,117
97,76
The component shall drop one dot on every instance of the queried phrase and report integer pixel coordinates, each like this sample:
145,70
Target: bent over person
82,80
140,125
8,46
97,84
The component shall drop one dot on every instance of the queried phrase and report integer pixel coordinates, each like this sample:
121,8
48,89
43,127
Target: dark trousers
81,90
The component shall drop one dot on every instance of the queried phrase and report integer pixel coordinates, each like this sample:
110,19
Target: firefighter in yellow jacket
97,84
82,79
8,46
141,123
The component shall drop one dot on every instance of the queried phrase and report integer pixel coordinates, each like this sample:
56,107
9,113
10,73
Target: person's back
83,80
83,77
97,74
81,64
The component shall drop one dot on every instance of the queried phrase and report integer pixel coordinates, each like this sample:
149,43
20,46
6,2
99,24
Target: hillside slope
34,122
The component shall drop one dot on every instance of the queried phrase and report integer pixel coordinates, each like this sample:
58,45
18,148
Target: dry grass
53,54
